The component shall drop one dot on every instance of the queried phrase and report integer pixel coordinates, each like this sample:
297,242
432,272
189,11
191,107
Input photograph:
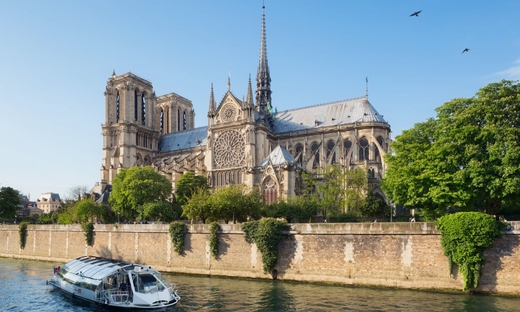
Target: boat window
146,283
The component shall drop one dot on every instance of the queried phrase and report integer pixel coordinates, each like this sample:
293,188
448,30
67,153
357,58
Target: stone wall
402,255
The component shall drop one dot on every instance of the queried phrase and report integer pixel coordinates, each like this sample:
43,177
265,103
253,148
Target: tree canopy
468,157
187,185
9,201
134,187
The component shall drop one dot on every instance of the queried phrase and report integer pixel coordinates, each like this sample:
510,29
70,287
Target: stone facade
401,255
245,141
48,202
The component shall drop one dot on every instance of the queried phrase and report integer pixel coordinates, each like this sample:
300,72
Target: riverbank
397,255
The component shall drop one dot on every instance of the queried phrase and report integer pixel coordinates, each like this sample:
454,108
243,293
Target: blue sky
56,57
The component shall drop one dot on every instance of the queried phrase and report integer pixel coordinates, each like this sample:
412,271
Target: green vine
213,241
22,230
177,230
88,229
266,234
465,236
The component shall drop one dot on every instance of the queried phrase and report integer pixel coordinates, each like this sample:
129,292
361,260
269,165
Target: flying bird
416,13
465,50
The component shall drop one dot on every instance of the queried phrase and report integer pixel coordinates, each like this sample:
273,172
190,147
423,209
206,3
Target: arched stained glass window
299,153
270,191
363,149
184,121
143,109
118,106
161,121
135,105
331,152
315,154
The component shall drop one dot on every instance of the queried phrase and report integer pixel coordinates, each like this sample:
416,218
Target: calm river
23,288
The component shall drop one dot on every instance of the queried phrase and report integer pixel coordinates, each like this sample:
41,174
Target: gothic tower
130,131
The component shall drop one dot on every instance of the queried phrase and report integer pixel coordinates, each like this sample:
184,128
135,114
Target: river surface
23,288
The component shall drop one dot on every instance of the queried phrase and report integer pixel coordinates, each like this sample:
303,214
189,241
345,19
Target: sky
56,57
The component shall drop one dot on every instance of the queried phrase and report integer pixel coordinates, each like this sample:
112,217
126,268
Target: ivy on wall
213,241
465,236
22,230
266,234
177,230
88,229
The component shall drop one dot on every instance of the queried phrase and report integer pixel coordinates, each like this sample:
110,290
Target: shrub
465,236
22,230
213,241
177,230
266,234
88,229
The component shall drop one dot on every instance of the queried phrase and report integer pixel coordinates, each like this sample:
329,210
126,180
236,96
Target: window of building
135,105
161,121
118,103
363,149
299,153
315,154
184,121
143,110
331,152
270,191
178,120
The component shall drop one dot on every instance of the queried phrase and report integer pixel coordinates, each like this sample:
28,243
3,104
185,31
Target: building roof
279,156
183,140
49,197
329,114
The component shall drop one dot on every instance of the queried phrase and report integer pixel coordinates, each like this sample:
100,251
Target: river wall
401,255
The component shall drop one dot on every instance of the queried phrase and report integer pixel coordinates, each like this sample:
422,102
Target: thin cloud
512,72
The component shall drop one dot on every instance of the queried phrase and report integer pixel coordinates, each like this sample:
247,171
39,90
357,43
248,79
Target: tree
87,209
76,193
295,208
188,184
235,202
159,211
9,201
335,189
468,157
198,206
136,186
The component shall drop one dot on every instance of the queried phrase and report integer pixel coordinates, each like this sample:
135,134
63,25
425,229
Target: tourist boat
115,283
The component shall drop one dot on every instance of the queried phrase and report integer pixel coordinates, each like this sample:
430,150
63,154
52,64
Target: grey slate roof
328,114
279,156
183,140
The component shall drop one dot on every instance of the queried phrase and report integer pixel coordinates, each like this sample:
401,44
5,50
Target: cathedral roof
279,156
328,114
183,140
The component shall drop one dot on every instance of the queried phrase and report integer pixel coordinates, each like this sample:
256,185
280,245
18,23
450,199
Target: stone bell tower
131,132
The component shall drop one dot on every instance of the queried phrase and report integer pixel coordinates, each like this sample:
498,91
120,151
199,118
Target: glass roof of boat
96,268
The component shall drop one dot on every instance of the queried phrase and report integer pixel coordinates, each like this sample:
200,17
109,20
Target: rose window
229,149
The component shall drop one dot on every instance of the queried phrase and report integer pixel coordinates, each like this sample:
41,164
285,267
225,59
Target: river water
23,288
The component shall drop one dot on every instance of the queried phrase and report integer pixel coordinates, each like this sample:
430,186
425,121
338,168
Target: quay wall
400,255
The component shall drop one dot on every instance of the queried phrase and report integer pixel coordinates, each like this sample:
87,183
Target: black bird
416,13
465,50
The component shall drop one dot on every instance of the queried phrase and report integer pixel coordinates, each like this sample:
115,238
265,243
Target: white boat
115,283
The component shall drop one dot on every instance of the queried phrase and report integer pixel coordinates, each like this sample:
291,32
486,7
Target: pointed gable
278,157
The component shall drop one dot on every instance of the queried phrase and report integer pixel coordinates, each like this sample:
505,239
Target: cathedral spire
212,105
263,78
250,93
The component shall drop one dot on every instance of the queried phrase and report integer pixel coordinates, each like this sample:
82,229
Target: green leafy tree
235,202
468,157
188,184
136,186
295,208
159,211
374,206
199,206
335,189
86,210
9,202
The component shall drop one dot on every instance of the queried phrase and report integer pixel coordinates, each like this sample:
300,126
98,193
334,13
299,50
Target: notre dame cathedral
245,140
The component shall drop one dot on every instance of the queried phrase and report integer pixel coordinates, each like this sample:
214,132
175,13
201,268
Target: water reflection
23,288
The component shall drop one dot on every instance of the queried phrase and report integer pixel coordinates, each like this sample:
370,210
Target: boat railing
115,295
